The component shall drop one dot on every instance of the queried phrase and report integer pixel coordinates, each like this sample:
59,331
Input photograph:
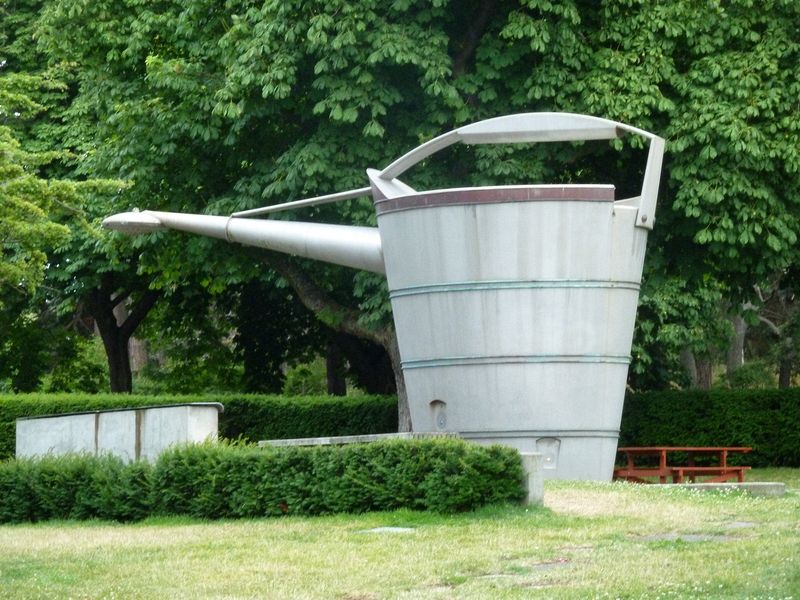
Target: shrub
766,420
87,371
73,487
752,375
308,378
236,480
213,481
279,417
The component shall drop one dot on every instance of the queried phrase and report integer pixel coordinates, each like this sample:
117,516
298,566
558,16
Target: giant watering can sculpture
514,306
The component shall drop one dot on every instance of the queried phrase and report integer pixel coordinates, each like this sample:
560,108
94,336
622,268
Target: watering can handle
526,127
545,127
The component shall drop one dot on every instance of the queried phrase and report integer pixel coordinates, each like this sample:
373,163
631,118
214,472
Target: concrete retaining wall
132,434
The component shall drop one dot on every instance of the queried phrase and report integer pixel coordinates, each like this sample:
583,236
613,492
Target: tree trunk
403,412
137,349
735,357
101,304
139,354
107,319
786,363
704,373
785,374
119,364
690,365
334,367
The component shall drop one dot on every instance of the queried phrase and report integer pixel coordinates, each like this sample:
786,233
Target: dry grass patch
642,507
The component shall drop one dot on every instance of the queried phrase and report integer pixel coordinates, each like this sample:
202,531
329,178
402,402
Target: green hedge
250,417
230,481
766,420
74,487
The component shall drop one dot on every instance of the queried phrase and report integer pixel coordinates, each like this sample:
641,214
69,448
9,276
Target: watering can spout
350,246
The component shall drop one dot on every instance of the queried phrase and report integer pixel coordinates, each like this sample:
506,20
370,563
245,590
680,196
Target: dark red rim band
494,195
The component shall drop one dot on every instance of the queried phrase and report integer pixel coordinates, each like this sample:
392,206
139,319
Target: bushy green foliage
84,369
251,417
442,475
307,378
753,374
26,225
74,487
235,480
278,417
38,350
766,420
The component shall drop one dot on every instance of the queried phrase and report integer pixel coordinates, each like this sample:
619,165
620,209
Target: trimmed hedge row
250,417
74,487
766,420
230,481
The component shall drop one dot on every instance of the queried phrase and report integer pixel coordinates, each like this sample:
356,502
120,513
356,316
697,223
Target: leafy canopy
211,107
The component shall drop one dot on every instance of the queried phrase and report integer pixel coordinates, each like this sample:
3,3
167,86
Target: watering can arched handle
544,127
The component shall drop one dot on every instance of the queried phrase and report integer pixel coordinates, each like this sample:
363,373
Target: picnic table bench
719,472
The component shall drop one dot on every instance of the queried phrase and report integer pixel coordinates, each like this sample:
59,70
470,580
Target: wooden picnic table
719,472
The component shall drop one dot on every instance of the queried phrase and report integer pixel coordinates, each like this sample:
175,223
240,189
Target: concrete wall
132,434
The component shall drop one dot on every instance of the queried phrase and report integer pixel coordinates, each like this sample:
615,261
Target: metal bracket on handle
652,176
316,201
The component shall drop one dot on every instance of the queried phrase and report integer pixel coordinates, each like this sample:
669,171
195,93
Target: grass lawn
590,540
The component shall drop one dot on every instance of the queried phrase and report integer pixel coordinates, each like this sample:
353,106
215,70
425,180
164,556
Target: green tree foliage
725,76
45,210
26,200
30,202
675,318
270,323
39,349
191,344
24,350
212,107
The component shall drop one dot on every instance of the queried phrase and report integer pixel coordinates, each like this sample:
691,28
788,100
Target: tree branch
118,298
346,320
319,302
772,326
139,312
